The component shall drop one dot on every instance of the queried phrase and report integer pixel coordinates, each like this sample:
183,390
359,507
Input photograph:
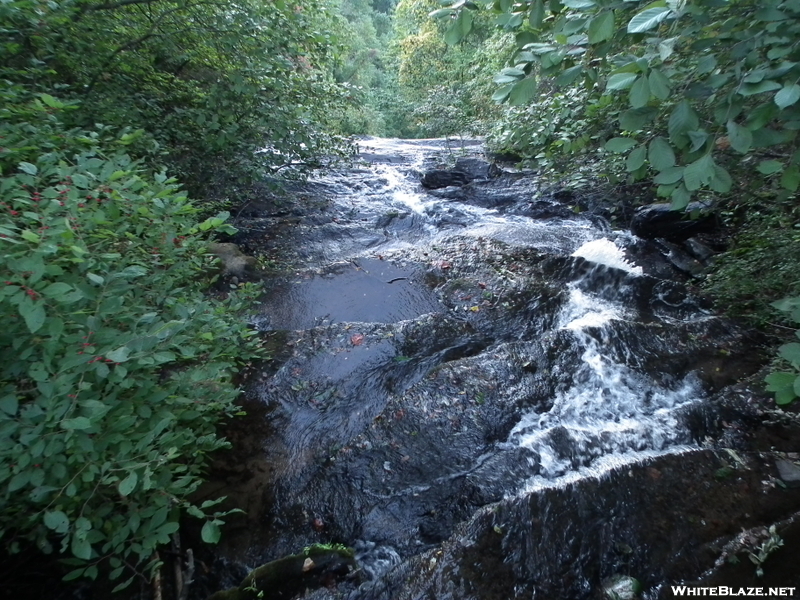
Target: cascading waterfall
611,414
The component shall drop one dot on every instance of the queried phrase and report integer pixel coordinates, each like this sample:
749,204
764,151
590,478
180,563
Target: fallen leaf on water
357,339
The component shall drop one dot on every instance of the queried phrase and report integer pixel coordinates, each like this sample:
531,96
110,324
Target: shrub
117,365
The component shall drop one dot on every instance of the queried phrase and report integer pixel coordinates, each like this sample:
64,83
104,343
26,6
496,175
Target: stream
485,391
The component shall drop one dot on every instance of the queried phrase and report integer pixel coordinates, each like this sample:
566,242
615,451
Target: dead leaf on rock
357,339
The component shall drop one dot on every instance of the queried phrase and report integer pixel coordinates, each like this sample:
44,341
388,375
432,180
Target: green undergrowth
117,363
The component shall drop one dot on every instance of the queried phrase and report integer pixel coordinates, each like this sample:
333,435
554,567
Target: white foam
605,252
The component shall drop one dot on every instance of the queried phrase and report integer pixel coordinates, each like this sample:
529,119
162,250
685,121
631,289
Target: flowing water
456,351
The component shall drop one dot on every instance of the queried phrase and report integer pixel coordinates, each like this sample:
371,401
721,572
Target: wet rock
679,259
285,578
465,171
542,209
659,221
699,250
789,472
621,587
563,542
235,263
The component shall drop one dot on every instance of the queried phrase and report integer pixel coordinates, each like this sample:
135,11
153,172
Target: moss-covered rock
286,577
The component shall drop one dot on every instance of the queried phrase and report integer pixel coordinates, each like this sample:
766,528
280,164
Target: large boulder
466,171
660,221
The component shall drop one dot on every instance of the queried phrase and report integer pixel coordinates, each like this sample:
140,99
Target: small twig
176,564
157,594
188,575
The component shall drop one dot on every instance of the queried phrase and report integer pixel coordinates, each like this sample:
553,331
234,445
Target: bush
117,365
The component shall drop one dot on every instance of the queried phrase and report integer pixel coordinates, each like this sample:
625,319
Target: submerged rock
621,587
465,171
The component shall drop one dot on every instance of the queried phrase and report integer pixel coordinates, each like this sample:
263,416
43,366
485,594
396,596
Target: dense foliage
117,364
220,87
698,97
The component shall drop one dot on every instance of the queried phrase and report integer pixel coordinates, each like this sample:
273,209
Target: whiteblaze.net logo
726,591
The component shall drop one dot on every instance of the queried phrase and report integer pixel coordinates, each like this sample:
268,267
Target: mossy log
286,577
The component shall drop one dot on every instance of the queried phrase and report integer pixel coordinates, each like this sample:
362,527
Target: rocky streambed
489,393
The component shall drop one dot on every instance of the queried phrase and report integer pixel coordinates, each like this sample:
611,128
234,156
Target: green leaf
669,176
706,64
80,547
660,154
769,167
790,179
127,485
601,28
698,139
568,76
33,313
579,4
79,423
782,384
683,119
536,15
620,144
751,89
636,158
210,532
30,236
741,138
502,93
28,168
635,119
640,93
666,48
123,585
56,290
770,14
57,521
659,84
698,173
680,198
117,175
19,481
788,95
9,404
648,19
96,279
50,101
72,575
621,81
791,353
721,181
523,91
460,27
119,355
442,12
